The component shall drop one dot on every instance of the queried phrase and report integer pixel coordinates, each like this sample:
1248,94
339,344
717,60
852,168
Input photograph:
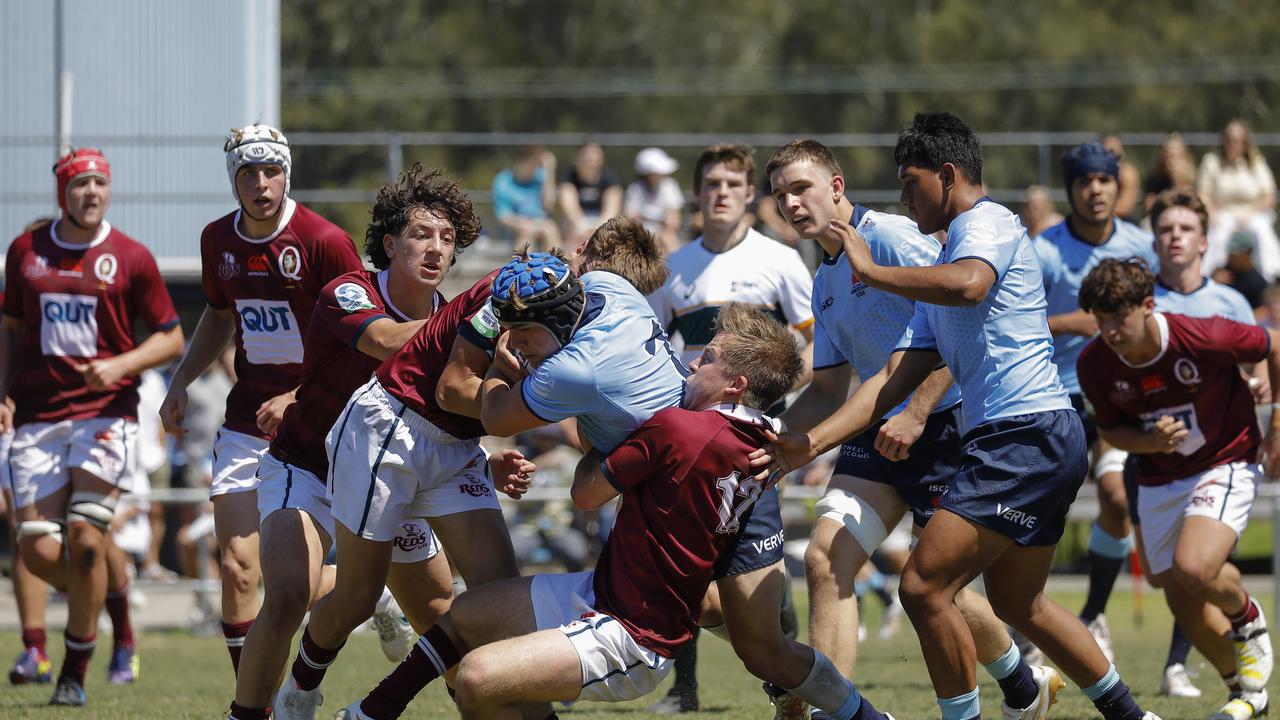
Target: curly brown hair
419,188
1116,285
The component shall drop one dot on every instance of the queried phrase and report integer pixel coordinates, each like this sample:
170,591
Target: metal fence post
395,156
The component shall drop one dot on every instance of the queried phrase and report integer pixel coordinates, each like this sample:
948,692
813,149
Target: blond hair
760,348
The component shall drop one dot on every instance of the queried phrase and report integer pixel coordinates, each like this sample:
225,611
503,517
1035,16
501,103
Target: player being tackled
610,634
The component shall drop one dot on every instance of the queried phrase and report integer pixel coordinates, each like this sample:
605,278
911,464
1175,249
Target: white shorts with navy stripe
282,485
388,464
235,462
1224,493
42,455
614,666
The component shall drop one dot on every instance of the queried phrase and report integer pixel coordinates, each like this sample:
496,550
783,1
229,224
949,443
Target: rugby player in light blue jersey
592,349
981,310
1090,234
880,474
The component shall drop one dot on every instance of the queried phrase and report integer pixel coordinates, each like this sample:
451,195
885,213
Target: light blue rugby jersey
858,324
999,351
616,371
1209,300
1065,260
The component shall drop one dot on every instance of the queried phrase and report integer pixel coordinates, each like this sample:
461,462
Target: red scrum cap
77,163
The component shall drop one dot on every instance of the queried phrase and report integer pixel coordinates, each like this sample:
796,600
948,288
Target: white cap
654,161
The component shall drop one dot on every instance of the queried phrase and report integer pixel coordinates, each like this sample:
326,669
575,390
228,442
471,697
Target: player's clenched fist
1168,434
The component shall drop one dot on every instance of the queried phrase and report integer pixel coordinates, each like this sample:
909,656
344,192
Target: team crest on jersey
37,269
1121,391
352,297
290,263
106,267
228,268
1186,372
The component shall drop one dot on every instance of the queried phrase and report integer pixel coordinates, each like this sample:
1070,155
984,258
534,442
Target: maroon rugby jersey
685,483
1195,379
78,302
332,367
272,285
411,374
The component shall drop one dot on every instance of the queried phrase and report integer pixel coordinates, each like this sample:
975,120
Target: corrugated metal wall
157,84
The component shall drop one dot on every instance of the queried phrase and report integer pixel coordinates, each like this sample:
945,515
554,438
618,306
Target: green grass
190,677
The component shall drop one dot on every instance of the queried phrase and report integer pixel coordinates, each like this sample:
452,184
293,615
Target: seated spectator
1173,168
589,194
1038,213
1239,273
655,197
524,197
1237,185
1129,181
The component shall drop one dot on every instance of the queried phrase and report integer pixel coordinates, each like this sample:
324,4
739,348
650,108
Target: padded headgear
78,163
539,288
1088,159
257,144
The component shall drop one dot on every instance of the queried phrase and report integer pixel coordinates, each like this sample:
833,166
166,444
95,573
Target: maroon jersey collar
285,216
749,414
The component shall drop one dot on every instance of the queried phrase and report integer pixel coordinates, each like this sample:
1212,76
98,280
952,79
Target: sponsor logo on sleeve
352,297
485,322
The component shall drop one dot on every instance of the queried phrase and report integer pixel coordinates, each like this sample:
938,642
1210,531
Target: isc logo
265,318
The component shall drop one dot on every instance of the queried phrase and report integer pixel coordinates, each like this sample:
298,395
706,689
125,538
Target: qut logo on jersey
269,332
69,326
266,318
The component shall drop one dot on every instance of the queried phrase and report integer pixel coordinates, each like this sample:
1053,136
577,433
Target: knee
286,603
916,594
817,558
238,573
84,546
1193,574
761,657
475,675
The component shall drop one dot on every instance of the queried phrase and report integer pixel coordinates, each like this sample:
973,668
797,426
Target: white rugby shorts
614,666
235,462
387,464
285,486
42,454
1224,493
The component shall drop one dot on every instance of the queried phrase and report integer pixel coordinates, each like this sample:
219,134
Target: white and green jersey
758,271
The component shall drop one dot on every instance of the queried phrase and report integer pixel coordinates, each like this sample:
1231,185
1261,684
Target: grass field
190,677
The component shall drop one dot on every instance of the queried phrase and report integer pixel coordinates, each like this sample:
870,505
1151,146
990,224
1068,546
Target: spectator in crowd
1039,213
1237,185
1173,168
1130,178
1240,273
524,196
655,199
589,194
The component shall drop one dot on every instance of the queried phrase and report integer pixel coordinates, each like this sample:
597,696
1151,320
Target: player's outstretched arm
900,432
591,489
964,282
819,399
875,397
160,348
1271,444
215,330
384,336
503,411
10,330
458,390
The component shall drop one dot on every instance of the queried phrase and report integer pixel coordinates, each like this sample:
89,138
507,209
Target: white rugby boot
395,634
1050,683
